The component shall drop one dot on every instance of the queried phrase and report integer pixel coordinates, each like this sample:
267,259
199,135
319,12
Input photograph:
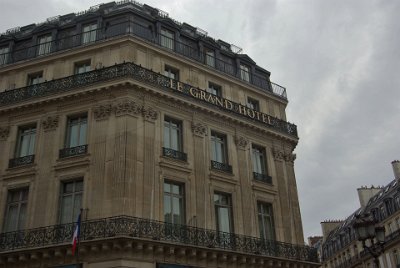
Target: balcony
168,152
129,27
221,166
262,177
126,227
123,70
73,151
21,161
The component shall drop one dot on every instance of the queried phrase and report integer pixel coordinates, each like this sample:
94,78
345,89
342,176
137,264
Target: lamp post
366,229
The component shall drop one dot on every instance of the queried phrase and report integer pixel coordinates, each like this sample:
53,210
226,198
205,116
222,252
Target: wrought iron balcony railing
168,152
221,166
130,27
262,177
123,70
138,228
21,161
73,151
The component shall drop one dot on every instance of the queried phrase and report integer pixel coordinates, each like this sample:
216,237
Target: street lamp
366,229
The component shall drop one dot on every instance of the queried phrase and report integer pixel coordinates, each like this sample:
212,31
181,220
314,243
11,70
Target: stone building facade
172,146
341,249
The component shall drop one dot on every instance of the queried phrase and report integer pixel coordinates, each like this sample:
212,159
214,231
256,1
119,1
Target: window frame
179,128
245,72
74,193
35,78
209,59
181,201
86,64
81,118
263,226
4,54
253,104
228,206
32,131
15,226
169,71
44,44
213,87
90,35
261,153
219,138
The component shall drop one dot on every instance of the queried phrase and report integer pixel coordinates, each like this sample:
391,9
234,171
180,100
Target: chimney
328,226
396,169
365,194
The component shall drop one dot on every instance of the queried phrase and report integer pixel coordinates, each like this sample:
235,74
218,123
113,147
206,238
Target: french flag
75,237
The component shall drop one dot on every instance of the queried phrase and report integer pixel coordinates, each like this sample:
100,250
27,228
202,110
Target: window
89,33
167,39
44,43
218,148
171,72
244,73
70,201
210,57
266,221
15,214
259,160
4,55
214,89
253,104
174,203
35,78
26,141
396,258
223,212
389,206
172,134
76,131
82,67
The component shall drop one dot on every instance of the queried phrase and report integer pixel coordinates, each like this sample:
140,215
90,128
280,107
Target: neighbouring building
341,249
173,146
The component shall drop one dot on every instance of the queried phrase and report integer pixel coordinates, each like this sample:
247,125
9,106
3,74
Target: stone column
200,173
245,186
4,133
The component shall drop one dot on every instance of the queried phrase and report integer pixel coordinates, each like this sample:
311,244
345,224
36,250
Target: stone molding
50,123
241,142
199,129
4,132
290,157
127,108
149,114
279,155
102,112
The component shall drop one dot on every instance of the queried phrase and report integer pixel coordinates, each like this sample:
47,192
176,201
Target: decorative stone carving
289,157
102,112
241,142
50,123
128,108
199,129
4,132
149,114
278,154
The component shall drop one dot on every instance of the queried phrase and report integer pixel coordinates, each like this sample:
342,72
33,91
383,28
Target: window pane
176,210
24,149
77,206
12,218
166,135
167,209
22,216
66,209
224,220
82,134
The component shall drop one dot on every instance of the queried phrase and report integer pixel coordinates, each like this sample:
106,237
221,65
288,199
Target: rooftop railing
123,70
129,27
139,228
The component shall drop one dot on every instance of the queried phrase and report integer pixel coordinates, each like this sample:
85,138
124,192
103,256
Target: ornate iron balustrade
174,154
138,228
123,70
21,161
130,27
73,151
262,177
221,166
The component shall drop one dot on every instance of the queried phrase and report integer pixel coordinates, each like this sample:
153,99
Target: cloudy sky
340,63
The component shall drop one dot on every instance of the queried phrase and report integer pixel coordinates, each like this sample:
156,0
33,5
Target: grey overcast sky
339,61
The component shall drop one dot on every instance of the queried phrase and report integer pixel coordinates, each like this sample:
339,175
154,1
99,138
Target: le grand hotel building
173,145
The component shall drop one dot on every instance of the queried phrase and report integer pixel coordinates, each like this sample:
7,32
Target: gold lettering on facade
228,104
179,86
194,92
203,95
211,98
266,119
242,109
219,101
251,113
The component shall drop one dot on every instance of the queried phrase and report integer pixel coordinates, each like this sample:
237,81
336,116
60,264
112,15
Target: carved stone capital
290,157
127,108
50,123
278,154
4,132
150,114
102,112
199,129
241,142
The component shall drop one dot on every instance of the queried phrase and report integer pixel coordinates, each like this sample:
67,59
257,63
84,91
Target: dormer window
167,39
44,43
89,33
35,78
245,73
4,55
210,57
